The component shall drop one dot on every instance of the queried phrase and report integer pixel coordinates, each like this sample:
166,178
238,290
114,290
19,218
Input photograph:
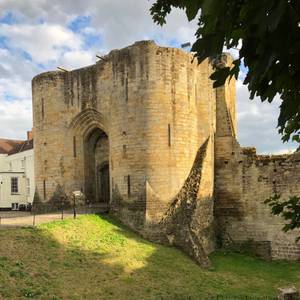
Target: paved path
18,218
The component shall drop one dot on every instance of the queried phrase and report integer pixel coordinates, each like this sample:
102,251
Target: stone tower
144,132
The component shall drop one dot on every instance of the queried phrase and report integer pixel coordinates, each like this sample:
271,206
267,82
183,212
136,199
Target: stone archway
91,156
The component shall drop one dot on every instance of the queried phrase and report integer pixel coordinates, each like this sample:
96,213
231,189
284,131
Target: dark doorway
96,167
104,184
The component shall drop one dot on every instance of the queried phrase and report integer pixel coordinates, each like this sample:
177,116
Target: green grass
94,257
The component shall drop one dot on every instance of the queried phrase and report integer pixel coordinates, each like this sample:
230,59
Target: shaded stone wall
243,180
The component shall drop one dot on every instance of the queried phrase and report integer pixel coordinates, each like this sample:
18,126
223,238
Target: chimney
29,135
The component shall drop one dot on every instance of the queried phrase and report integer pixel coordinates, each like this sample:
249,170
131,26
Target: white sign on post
77,193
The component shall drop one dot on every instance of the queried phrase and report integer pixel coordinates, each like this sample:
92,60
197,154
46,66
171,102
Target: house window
10,166
23,163
28,186
14,185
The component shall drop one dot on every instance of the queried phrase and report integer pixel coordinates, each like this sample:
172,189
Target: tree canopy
267,34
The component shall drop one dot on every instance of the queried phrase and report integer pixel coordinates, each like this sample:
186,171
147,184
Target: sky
39,35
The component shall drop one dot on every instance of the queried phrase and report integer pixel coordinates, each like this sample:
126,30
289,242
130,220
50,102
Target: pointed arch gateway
88,118
91,155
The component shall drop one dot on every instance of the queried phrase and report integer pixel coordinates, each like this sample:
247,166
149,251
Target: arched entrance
96,167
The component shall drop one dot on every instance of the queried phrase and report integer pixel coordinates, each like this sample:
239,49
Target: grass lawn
94,257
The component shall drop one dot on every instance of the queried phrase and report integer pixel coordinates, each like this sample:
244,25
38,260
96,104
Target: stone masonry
144,132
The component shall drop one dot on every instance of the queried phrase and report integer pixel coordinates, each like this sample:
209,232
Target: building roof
8,146
24,146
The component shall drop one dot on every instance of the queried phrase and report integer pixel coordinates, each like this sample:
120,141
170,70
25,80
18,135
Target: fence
22,218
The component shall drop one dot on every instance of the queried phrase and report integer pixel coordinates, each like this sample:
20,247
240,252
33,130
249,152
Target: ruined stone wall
156,107
243,181
170,141
226,117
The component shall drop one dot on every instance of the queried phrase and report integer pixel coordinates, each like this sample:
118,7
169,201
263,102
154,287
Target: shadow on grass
95,257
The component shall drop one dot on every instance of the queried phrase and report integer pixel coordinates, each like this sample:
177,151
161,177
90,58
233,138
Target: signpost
76,196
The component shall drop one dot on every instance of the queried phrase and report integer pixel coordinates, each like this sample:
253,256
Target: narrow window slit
124,151
128,186
169,135
74,146
126,88
43,109
44,189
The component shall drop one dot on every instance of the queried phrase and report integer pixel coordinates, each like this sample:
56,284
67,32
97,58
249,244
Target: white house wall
7,198
12,166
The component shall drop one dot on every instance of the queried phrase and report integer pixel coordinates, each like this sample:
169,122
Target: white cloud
76,59
122,22
42,31
16,118
13,65
17,89
257,122
284,151
43,42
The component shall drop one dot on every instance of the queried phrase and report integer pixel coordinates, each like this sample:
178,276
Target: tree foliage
267,34
288,209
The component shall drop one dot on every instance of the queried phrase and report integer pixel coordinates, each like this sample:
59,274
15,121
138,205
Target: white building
16,173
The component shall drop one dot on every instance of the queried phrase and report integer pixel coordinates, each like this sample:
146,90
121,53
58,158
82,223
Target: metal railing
25,218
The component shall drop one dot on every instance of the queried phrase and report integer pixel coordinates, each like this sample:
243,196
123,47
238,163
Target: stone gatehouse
144,131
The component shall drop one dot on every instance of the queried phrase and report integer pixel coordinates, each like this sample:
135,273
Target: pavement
21,218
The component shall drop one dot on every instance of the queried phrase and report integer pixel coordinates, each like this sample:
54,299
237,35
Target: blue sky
8,18
36,36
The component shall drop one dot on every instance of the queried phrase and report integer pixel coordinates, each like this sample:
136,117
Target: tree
289,210
267,33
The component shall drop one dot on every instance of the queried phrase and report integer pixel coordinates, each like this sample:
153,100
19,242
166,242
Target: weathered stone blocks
128,129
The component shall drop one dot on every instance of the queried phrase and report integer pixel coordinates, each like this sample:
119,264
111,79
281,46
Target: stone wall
243,181
155,105
176,170
188,222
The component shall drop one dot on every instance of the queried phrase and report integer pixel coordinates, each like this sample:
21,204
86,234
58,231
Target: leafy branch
289,210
